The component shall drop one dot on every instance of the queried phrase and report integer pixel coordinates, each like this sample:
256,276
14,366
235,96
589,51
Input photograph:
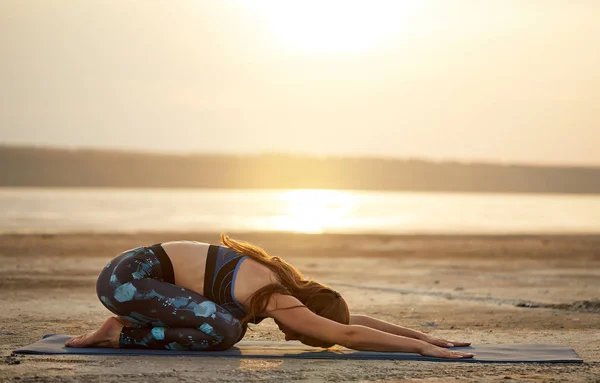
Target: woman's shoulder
252,269
251,277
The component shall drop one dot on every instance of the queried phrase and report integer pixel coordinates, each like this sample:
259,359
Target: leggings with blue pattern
136,287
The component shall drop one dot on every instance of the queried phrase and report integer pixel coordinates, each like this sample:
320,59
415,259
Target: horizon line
437,161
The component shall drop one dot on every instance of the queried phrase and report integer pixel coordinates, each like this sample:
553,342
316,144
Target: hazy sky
493,80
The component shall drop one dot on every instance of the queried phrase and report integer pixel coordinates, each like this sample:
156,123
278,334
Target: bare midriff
189,263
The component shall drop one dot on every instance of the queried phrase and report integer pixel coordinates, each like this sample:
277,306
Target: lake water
49,210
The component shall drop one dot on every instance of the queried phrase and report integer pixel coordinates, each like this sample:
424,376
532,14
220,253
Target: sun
334,26
313,211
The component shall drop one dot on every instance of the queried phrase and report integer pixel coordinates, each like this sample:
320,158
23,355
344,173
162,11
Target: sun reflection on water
313,211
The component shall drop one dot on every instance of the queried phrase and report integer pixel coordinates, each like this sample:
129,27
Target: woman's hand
438,352
443,342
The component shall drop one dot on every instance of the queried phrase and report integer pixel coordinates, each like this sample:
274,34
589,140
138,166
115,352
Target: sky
509,81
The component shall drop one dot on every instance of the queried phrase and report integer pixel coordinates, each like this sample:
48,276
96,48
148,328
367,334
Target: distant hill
31,166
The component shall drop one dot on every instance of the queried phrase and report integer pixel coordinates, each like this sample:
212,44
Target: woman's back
189,265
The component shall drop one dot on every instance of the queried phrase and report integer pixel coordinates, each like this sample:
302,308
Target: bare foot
106,336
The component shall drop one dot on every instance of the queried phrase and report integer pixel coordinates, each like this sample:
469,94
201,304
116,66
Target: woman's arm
367,321
304,321
378,324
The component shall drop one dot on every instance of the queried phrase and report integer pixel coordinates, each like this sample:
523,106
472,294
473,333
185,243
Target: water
26,210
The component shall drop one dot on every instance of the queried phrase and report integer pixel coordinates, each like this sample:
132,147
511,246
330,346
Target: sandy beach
483,289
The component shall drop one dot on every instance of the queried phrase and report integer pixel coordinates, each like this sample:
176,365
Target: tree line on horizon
55,167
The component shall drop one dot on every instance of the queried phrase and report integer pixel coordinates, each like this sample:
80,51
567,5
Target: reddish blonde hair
317,297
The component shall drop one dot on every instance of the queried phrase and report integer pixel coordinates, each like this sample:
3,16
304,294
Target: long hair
317,297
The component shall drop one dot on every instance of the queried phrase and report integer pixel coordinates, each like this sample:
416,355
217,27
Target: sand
483,289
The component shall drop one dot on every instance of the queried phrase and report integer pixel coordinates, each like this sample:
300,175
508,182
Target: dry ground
462,287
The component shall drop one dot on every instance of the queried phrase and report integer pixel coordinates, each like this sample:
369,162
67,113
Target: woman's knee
226,333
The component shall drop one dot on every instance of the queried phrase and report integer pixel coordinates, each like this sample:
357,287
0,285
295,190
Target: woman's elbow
349,336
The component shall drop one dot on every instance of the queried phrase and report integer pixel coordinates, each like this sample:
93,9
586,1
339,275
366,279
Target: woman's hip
131,265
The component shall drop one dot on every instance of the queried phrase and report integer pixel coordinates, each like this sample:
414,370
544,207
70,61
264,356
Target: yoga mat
514,353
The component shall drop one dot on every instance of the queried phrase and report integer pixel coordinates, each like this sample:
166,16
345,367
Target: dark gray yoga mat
514,353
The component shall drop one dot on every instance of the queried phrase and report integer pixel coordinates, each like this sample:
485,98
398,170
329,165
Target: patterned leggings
138,286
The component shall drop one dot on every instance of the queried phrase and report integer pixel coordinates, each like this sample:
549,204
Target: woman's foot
106,336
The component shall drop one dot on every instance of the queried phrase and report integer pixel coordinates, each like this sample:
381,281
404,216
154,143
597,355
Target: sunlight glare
334,26
314,211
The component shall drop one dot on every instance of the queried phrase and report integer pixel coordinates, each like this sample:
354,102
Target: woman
155,293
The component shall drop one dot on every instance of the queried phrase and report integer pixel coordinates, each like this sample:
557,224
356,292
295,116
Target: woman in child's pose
195,296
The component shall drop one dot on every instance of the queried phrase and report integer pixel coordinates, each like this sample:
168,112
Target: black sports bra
222,266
